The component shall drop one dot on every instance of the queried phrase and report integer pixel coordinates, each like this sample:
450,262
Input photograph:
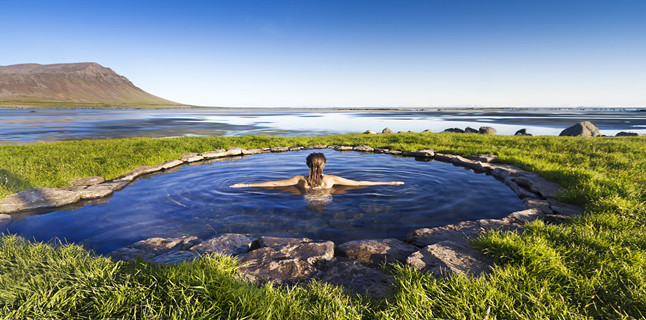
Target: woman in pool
316,179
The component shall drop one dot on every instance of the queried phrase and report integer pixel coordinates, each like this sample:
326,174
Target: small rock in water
387,130
583,129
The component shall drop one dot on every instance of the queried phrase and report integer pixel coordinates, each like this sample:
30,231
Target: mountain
86,83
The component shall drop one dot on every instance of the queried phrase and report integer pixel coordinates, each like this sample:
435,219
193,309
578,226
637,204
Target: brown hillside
71,83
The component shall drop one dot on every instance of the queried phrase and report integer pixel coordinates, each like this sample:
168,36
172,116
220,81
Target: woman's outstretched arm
340,181
278,183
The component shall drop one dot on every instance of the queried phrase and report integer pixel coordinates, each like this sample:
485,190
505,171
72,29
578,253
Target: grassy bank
592,267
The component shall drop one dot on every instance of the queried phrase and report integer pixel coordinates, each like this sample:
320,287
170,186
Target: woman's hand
239,185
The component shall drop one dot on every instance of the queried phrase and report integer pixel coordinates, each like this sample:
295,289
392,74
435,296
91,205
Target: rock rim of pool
355,265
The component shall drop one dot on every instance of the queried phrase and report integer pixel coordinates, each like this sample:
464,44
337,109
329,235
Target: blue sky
347,53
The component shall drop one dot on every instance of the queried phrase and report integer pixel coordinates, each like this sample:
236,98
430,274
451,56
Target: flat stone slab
460,232
358,279
528,215
539,185
171,164
449,257
87,181
363,148
279,149
231,244
139,171
375,253
38,199
96,191
542,205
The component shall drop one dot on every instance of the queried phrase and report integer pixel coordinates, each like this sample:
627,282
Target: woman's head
316,162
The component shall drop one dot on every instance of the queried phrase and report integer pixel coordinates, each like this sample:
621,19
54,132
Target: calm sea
19,126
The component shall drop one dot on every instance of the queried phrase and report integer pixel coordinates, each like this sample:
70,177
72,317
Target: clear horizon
347,53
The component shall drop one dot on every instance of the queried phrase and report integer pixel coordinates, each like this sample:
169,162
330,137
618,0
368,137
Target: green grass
591,267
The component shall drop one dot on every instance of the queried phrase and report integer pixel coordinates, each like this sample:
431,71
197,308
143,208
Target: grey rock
427,131
150,248
296,148
470,130
171,164
317,146
387,130
459,233
38,199
527,215
564,208
503,171
425,153
219,153
267,264
174,257
444,157
490,158
539,185
97,191
364,148
116,185
279,242
369,132
87,181
454,130
584,129
374,253
522,132
227,244
139,171
279,149
629,134
343,148
358,279
448,257
191,157
471,164
487,130
381,150
284,262
252,151
393,152
541,205
518,190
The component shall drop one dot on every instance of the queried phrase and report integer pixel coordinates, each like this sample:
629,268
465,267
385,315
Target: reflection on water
31,125
196,200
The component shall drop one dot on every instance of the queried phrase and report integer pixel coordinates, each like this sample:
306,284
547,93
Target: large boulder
374,253
387,130
487,130
629,134
522,132
454,130
584,129
470,130
369,132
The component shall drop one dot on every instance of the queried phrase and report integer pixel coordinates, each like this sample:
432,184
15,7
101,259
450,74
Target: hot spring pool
196,200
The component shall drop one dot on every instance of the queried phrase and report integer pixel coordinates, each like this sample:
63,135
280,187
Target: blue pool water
196,200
